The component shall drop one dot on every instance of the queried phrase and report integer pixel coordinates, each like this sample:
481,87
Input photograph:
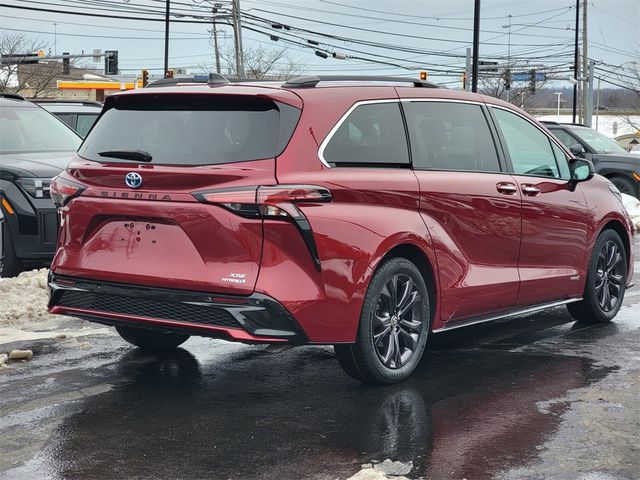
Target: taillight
273,202
62,190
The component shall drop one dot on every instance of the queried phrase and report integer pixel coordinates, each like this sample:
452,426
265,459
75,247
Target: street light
559,94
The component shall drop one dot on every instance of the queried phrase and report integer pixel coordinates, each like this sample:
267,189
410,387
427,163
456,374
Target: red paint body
489,252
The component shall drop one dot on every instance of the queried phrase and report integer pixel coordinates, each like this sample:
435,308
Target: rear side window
192,129
371,135
451,136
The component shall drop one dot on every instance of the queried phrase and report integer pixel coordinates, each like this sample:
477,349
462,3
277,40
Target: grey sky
437,32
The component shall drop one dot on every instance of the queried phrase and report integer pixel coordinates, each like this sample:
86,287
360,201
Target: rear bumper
255,318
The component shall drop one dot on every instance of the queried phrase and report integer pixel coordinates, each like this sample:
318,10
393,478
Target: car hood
628,158
35,164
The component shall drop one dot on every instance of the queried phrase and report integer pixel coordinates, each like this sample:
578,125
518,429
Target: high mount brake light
272,202
63,190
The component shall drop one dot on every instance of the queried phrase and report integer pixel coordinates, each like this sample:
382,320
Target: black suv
609,158
34,147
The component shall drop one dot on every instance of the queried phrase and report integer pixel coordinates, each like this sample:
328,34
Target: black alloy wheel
609,281
624,185
606,281
394,324
398,322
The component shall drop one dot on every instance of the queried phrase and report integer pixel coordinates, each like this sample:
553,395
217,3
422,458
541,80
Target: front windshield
32,129
597,141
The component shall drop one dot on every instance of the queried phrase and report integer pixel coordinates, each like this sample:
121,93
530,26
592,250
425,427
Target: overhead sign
97,55
526,76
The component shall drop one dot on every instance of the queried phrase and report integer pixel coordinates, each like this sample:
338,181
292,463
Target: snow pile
632,205
23,300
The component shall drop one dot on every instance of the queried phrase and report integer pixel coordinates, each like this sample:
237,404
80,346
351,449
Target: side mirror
577,150
581,171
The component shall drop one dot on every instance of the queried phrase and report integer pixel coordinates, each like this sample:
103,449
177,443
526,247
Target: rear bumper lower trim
255,318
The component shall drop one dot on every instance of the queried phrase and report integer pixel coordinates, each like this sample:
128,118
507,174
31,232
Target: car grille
148,308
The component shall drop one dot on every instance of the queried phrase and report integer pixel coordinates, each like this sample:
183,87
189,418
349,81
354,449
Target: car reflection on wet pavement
219,410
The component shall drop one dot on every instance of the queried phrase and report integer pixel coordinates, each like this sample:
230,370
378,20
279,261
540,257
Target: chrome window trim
335,128
442,100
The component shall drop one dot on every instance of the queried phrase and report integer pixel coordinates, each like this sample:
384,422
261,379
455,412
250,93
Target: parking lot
240,239
531,397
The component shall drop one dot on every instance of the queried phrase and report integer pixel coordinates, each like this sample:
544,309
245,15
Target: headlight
36,187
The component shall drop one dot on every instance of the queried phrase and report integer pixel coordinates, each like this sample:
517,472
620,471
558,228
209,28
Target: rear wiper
138,155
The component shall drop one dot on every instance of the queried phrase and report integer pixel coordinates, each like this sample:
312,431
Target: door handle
507,188
530,190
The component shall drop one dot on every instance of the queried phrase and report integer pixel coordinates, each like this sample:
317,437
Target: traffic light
532,81
66,64
464,80
507,80
111,62
145,77
424,75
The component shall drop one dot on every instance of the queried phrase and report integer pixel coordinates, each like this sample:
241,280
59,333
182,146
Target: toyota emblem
133,180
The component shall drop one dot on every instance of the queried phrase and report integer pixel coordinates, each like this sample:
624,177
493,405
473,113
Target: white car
635,150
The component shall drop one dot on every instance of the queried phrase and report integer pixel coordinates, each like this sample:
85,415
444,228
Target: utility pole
166,39
598,104
476,45
215,41
575,62
468,71
585,64
237,31
508,90
588,104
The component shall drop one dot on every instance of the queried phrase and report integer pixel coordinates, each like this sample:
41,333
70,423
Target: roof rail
312,81
73,101
14,96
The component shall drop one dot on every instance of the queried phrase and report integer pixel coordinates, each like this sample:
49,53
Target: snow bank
632,205
23,301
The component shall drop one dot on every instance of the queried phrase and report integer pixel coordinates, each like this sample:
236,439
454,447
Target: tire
606,281
151,340
625,185
10,264
393,328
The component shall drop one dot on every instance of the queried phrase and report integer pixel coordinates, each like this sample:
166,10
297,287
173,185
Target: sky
388,37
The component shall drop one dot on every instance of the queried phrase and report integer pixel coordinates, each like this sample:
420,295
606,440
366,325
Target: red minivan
362,212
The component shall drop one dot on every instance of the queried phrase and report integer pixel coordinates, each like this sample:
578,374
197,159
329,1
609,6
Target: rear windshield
192,129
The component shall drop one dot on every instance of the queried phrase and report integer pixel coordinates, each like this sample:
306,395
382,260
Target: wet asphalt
537,396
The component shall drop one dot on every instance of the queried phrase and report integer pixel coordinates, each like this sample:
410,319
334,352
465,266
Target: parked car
361,212
78,114
609,158
635,150
34,147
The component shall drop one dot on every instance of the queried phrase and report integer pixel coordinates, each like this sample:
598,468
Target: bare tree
264,63
19,74
629,80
